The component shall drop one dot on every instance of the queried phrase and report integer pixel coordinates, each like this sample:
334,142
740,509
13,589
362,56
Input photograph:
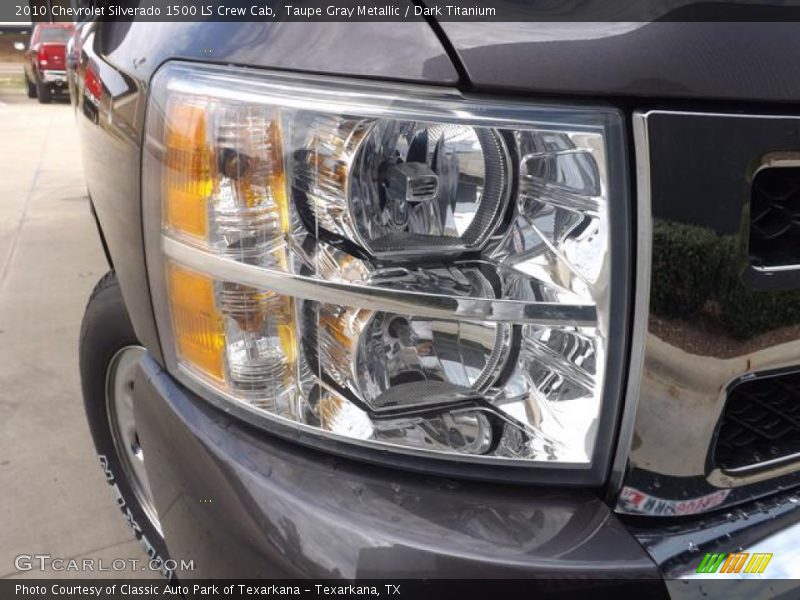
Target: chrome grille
760,423
775,217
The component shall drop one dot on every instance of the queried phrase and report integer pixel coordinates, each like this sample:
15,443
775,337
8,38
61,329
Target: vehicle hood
711,60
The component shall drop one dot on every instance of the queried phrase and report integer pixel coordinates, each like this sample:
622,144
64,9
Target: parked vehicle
76,74
45,61
472,300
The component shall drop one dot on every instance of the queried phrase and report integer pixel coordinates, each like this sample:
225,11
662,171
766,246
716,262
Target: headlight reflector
416,270
418,188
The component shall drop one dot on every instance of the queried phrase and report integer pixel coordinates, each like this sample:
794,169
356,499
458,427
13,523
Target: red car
45,64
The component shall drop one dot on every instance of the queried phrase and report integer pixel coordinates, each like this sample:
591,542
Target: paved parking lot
54,498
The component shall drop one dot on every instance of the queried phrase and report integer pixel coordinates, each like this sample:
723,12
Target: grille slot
775,217
760,422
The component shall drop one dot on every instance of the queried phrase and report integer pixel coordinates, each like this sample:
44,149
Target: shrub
696,271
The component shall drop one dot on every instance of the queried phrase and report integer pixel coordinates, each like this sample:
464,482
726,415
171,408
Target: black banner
417,589
25,11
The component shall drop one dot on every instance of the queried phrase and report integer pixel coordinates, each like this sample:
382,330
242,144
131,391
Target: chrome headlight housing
375,267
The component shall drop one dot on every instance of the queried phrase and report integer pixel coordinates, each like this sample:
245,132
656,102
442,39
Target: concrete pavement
54,497
9,68
11,74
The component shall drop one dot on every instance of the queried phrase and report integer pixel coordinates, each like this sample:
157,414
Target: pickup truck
45,61
447,299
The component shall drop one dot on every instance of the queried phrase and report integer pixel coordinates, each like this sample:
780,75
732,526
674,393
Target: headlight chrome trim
420,304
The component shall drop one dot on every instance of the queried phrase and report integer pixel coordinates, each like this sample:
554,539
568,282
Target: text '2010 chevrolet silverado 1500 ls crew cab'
436,299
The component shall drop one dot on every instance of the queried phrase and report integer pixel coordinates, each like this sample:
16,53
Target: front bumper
242,504
765,527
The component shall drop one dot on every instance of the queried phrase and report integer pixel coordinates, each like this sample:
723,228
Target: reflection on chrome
712,320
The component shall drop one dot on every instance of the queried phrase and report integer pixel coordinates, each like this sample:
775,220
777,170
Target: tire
30,89
107,335
43,93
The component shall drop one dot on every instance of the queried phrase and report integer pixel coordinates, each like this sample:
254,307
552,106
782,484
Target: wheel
109,354
30,88
43,93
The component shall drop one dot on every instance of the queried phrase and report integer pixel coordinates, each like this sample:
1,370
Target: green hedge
695,271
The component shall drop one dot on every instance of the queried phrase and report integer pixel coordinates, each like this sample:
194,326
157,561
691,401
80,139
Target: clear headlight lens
416,270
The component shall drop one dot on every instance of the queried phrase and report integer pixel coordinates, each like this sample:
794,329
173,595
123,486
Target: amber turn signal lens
198,326
188,178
